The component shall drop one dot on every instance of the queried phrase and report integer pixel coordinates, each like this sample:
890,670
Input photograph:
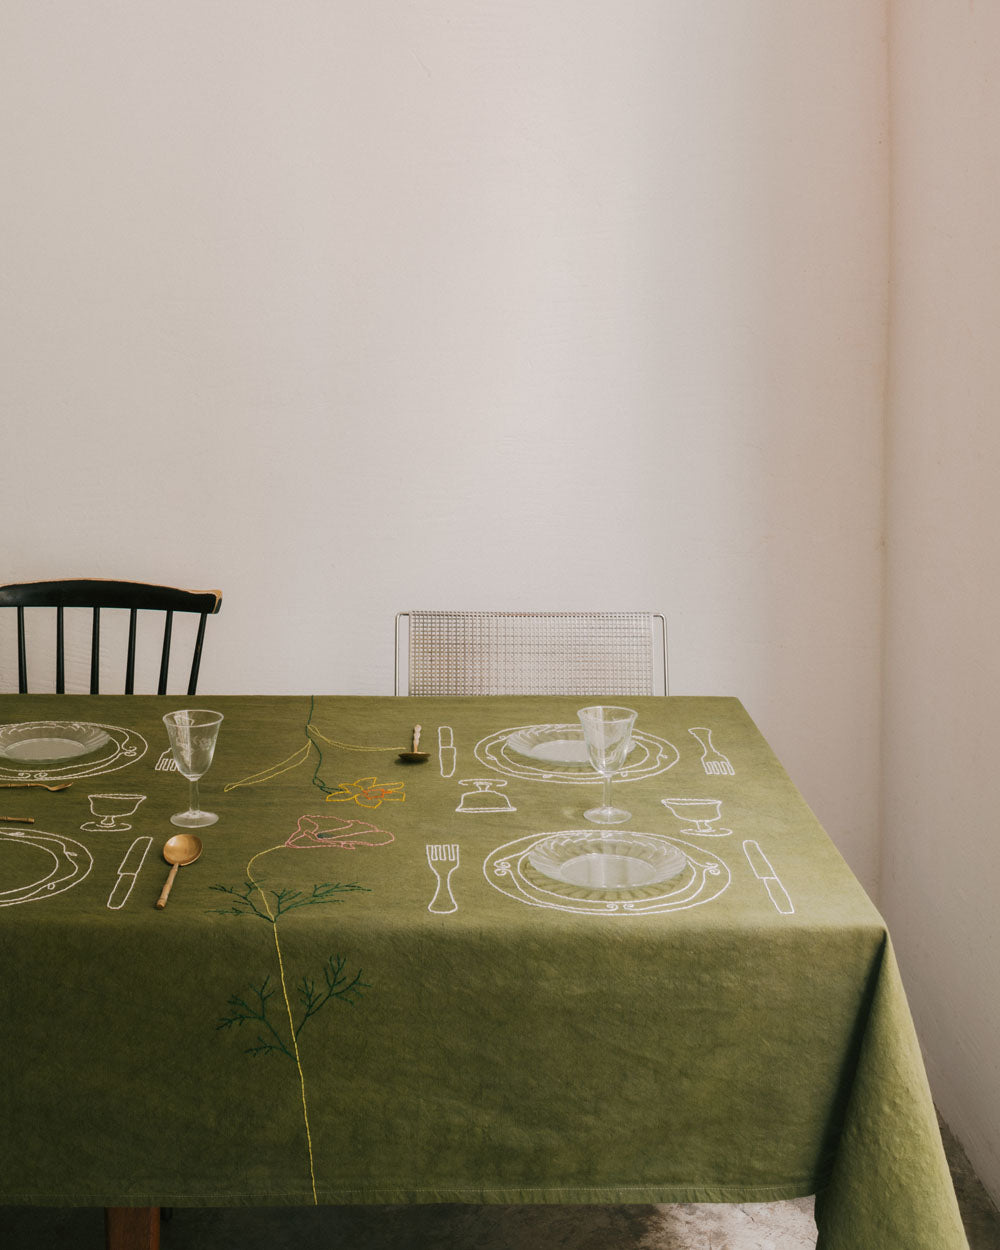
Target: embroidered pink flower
331,831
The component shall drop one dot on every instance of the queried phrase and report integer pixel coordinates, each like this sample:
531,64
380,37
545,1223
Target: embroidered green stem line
345,746
302,754
317,780
291,1018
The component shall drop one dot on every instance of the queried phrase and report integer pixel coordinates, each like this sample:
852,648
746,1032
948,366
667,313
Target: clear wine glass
193,734
607,731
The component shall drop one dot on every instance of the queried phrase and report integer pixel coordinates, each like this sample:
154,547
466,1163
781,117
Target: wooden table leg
132,1228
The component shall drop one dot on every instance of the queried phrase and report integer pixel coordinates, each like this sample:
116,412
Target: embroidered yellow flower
368,792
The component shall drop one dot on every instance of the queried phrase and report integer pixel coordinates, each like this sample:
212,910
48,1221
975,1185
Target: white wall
348,308
942,739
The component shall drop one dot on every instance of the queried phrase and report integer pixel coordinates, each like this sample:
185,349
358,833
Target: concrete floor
774,1226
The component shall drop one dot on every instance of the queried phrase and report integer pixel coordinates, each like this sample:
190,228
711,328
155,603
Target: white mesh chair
575,653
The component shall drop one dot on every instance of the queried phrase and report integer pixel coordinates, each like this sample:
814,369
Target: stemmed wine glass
193,735
607,732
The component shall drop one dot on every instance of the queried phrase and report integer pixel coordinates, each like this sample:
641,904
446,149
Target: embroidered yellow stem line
348,746
299,757
286,766
288,1009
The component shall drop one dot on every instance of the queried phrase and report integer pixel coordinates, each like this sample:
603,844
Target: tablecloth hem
404,1195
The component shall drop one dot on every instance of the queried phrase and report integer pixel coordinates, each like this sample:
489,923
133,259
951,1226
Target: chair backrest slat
95,653
98,594
130,656
165,653
60,651
22,654
196,659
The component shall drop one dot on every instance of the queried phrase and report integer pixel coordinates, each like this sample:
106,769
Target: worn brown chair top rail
98,594
584,653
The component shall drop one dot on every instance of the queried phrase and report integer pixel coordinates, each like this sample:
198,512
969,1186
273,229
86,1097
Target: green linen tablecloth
311,1019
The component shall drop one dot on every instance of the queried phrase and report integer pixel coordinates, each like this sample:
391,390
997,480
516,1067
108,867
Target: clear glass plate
54,740
552,744
608,861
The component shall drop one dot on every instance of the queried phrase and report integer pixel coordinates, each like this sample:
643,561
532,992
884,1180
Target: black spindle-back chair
98,594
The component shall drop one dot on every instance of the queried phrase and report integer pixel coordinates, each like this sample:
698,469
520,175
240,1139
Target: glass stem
607,789
195,802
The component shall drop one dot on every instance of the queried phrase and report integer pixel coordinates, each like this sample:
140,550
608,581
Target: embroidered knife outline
446,750
128,873
762,869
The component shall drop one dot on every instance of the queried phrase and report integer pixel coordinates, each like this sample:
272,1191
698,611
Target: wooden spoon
413,756
181,849
33,785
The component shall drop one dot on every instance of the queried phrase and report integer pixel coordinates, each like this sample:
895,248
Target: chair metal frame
579,653
98,594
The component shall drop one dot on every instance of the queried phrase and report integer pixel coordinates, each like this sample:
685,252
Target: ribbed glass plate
607,861
552,744
50,740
